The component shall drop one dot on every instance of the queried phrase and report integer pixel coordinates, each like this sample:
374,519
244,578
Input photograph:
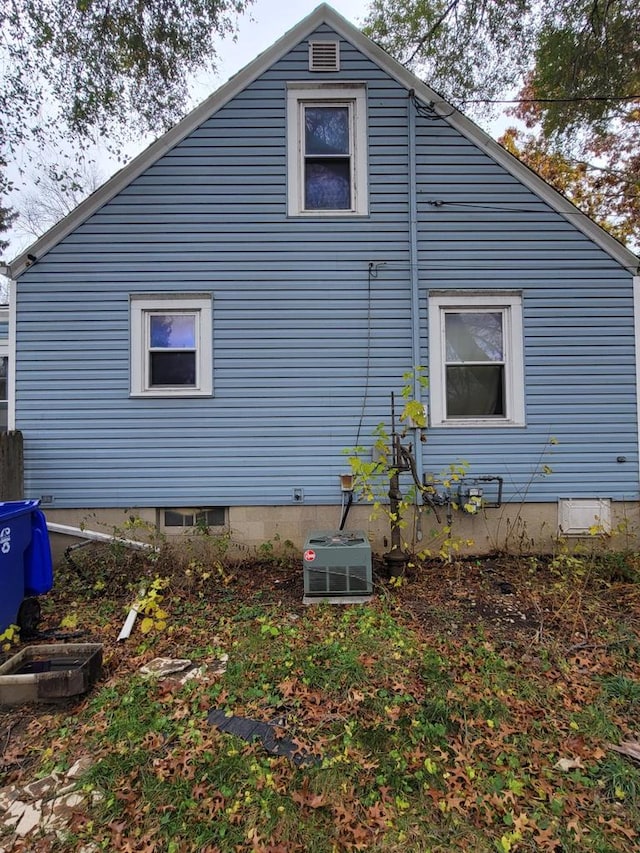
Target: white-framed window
327,149
476,373
171,345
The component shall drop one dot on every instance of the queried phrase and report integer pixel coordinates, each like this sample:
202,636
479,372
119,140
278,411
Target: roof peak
323,13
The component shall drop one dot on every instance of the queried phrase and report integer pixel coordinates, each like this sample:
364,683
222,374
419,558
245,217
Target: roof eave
323,14
469,129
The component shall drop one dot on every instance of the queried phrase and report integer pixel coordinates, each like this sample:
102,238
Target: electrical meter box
336,564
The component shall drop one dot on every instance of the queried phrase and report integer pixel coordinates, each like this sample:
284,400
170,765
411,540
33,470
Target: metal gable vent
324,56
337,563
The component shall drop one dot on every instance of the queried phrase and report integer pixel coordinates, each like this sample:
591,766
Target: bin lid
12,509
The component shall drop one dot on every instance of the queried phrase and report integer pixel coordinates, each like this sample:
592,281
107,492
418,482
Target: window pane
474,336
173,331
211,517
326,130
3,417
475,391
173,368
177,518
327,185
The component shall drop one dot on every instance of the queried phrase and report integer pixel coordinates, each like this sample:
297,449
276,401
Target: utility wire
497,209
573,100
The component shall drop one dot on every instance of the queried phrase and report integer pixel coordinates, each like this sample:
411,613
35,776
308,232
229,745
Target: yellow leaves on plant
414,414
70,621
147,625
9,636
507,841
149,605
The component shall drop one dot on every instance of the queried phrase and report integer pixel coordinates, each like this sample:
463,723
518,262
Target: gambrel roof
323,14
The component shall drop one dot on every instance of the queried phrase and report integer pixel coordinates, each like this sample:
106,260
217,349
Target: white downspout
413,272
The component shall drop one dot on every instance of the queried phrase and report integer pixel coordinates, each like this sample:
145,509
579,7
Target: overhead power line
550,100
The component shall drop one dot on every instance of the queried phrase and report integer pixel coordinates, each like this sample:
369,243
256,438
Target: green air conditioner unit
337,563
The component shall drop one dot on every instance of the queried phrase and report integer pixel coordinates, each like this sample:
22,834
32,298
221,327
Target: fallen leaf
566,764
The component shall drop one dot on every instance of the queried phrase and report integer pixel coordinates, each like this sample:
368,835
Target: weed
623,689
9,637
595,721
619,779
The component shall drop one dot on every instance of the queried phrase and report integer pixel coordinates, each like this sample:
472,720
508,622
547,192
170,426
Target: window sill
480,423
328,214
168,394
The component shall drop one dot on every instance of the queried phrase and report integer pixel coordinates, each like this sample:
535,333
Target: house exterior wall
578,314
312,324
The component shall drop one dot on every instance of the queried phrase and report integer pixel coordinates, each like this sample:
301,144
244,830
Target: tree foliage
599,187
576,64
462,47
96,68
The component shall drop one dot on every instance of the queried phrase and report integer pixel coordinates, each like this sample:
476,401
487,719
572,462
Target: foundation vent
584,516
324,56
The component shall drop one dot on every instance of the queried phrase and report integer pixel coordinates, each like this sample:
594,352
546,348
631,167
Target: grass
427,738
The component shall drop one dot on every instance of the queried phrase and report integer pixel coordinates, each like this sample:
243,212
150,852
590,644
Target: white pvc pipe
96,536
128,625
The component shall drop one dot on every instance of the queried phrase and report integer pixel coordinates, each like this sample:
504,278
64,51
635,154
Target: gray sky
266,21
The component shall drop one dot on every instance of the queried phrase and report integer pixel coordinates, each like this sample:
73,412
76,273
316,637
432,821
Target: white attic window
324,56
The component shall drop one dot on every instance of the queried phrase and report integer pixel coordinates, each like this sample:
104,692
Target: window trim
510,305
301,95
144,305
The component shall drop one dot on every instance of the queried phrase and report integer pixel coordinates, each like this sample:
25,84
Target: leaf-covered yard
473,708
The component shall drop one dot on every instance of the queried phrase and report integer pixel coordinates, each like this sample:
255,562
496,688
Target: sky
264,23
267,20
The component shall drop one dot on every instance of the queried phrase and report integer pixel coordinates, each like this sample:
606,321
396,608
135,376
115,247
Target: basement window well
215,516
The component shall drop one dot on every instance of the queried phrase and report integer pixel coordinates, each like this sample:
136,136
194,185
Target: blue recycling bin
26,568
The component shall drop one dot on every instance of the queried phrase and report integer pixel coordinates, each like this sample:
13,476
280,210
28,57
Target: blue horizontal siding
306,347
